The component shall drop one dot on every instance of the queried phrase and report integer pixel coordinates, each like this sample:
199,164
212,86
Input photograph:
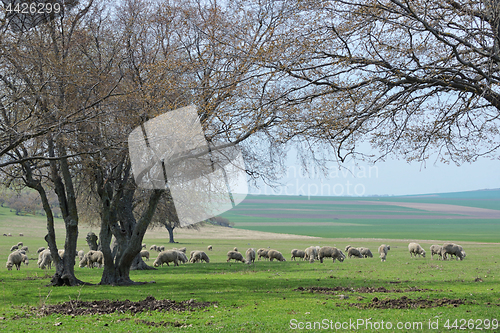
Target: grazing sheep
330,252
415,249
91,258
145,254
40,249
199,256
461,250
9,234
235,249
5,235
275,254
80,254
236,256
20,244
262,253
61,253
14,259
14,248
436,249
353,252
165,257
452,249
44,259
25,248
209,248
160,248
298,254
153,247
382,250
365,252
250,255
181,256
311,254
183,250
21,234
191,255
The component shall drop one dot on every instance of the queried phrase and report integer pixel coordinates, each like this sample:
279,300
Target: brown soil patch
408,303
364,290
74,307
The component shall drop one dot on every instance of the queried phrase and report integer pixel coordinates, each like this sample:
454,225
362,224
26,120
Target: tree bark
170,230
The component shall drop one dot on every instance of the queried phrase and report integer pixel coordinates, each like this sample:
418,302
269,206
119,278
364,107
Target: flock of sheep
93,259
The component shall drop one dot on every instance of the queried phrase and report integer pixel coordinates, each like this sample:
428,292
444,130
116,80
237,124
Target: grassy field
272,296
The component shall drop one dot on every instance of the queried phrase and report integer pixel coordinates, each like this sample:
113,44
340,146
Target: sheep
160,248
250,255
461,250
25,258
311,254
80,254
330,252
25,248
143,245
20,244
199,256
353,252
61,253
209,248
262,253
181,256
436,249
44,259
14,248
165,257
145,254
14,259
40,249
21,234
415,249
274,254
153,247
235,249
236,256
452,249
91,258
191,255
5,235
9,234
365,252
183,250
382,250
298,254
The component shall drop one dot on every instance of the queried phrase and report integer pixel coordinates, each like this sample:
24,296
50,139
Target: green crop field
402,294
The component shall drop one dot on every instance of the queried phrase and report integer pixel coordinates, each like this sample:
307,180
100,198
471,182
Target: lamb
274,254
382,250
353,252
153,247
145,254
311,254
44,259
298,254
262,253
181,256
415,249
14,259
209,248
330,252
20,244
452,249
365,252
80,254
14,248
25,248
91,258
199,256
250,256
236,256
436,249
40,249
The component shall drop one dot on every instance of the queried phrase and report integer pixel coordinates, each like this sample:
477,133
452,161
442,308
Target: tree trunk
170,232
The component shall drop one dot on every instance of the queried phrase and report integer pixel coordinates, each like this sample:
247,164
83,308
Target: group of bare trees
409,77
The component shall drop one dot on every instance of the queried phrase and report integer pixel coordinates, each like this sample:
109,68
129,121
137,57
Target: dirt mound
74,307
408,303
363,290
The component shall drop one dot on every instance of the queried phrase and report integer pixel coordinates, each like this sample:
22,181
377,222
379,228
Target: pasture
358,295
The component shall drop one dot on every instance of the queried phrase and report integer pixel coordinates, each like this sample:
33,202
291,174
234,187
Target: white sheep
181,256
80,254
20,244
236,256
21,234
45,259
91,258
199,256
452,249
275,254
296,253
365,252
250,255
461,250
416,249
382,250
436,249
311,254
165,257
161,248
9,234
262,253
330,252
183,250
25,248
153,247
14,248
14,259
61,253
209,248
40,249
145,254
353,252
143,245
235,249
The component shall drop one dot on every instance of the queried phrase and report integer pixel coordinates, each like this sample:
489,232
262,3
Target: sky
392,177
